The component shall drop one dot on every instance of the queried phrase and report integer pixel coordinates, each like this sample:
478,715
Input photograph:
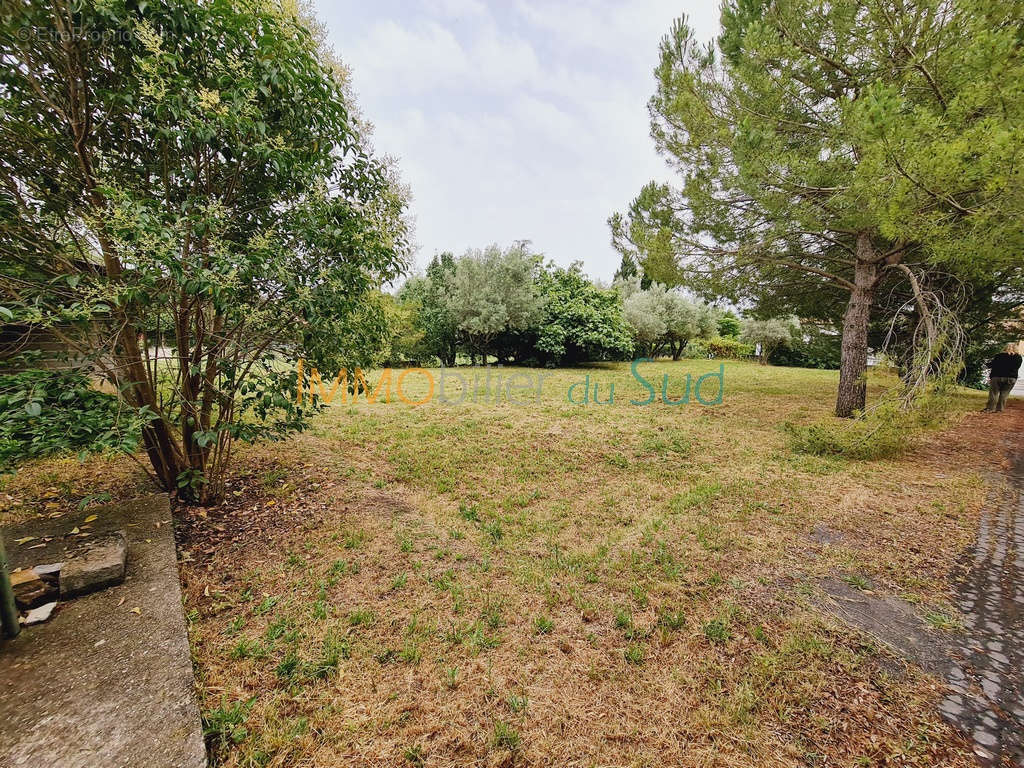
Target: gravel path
986,698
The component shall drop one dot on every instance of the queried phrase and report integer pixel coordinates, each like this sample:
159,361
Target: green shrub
719,347
717,631
50,412
634,654
506,737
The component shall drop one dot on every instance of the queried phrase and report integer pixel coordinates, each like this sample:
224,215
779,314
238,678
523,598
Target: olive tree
663,320
494,292
770,335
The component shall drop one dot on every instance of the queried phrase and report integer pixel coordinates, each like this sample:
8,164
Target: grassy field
570,585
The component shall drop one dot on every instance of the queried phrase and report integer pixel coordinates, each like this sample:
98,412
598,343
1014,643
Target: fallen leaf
74,531
120,602
136,611
90,518
24,540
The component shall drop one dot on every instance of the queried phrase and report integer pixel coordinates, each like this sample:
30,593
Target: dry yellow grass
491,584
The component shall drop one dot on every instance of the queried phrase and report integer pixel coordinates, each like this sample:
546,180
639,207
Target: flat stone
39,615
23,577
99,566
892,621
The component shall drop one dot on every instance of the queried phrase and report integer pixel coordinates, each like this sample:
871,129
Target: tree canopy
187,198
826,151
427,298
663,320
770,335
581,321
494,294
509,304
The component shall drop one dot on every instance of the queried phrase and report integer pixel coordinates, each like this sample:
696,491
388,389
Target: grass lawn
568,585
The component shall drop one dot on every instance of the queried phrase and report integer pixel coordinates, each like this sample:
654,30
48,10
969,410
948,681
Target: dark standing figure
1003,370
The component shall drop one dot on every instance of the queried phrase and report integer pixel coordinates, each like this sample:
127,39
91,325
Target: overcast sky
512,119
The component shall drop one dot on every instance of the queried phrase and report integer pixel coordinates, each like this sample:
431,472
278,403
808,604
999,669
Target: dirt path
986,698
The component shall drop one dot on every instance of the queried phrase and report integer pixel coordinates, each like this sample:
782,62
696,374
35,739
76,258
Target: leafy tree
188,199
494,293
729,325
646,319
662,320
815,346
645,238
685,320
428,299
826,151
378,331
580,321
771,334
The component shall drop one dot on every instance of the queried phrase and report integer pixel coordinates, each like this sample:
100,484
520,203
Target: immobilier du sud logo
495,384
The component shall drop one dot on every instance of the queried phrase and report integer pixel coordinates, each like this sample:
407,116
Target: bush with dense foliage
580,321
194,174
720,348
53,412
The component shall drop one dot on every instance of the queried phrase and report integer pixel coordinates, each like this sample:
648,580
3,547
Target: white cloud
458,8
510,121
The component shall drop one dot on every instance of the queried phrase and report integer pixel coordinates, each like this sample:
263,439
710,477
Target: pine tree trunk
853,368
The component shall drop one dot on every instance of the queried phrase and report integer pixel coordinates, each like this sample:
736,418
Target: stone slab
100,684
892,621
99,566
